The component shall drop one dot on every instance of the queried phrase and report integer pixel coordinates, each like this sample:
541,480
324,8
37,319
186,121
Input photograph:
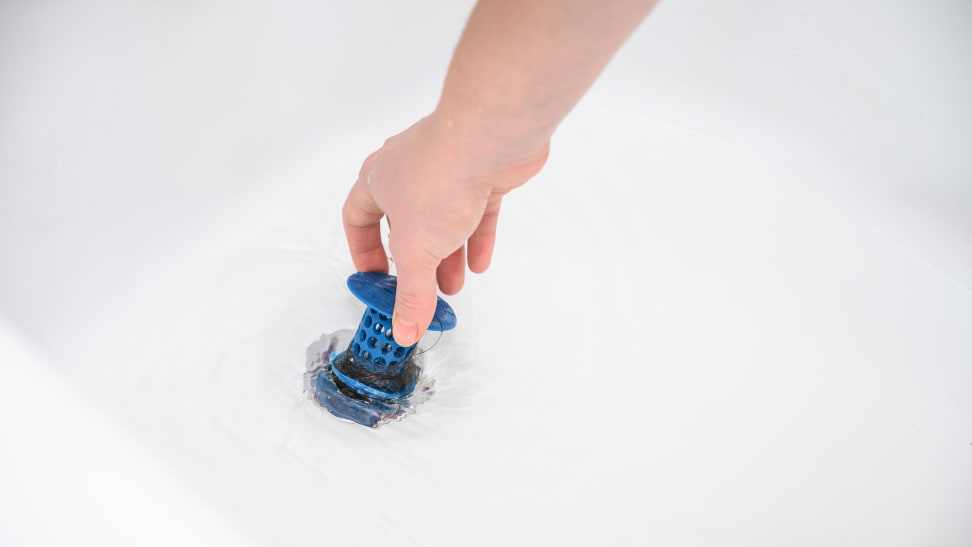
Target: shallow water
730,335
435,362
732,309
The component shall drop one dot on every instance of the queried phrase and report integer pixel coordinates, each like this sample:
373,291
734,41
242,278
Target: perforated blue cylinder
374,365
375,347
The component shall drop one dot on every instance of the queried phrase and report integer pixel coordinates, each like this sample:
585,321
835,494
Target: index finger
362,228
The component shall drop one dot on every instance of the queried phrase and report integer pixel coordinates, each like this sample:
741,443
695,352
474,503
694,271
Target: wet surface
684,338
343,402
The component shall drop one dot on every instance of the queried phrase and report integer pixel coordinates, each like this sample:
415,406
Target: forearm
522,65
519,68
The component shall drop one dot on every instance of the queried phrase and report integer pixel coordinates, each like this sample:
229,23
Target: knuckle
347,210
367,163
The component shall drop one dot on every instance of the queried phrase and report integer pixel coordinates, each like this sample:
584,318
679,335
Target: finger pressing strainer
372,381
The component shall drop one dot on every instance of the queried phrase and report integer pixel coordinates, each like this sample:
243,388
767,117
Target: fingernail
405,332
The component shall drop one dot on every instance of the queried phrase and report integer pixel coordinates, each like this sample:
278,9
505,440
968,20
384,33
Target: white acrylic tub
735,309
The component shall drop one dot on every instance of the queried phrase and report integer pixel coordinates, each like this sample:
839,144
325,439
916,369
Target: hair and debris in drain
331,394
373,380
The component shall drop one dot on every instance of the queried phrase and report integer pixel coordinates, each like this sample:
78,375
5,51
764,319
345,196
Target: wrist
486,139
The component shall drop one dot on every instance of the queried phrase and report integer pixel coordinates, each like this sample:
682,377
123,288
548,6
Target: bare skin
519,68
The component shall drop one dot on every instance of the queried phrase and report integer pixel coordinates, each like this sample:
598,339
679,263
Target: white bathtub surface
728,312
71,475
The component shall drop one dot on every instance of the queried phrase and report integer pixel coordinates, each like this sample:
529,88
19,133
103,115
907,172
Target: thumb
415,298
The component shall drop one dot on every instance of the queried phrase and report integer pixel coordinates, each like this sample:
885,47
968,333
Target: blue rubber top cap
377,290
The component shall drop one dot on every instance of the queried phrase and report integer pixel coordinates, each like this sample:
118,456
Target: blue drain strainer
372,380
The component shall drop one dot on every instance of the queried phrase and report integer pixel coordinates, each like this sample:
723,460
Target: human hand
440,187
